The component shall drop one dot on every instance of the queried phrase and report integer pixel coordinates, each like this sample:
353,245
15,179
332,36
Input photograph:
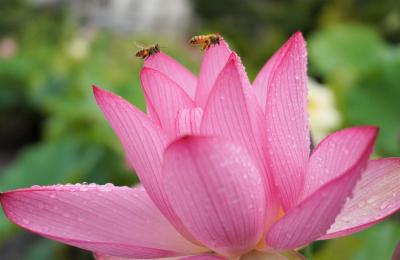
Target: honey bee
206,40
147,51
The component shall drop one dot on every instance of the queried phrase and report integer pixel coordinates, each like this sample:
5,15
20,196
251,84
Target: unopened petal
217,191
188,121
174,70
165,96
263,80
232,113
213,62
287,120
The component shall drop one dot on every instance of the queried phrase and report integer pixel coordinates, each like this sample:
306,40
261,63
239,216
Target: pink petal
188,121
144,145
165,96
151,112
335,154
119,221
203,257
217,191
376,196
287,120
264,78
98,256
213,62
174,70
195,257
311,218
232,113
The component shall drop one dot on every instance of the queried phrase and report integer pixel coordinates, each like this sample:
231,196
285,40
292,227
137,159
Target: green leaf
375,100
43,249
377,242
348,50
50,163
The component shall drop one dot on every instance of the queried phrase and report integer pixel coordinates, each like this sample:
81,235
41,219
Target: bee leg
208,43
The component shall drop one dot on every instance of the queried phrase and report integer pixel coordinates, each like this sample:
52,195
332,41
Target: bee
206,40
147,51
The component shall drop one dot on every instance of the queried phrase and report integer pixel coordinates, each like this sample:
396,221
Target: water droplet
372,200
361,204
346,219
384,205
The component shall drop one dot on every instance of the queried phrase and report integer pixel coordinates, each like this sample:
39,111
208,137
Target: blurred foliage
257,28
377,242
363,70
54,132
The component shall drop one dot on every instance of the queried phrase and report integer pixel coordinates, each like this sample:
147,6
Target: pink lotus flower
225,169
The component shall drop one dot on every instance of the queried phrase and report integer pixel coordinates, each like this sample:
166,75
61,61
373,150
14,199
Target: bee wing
139,45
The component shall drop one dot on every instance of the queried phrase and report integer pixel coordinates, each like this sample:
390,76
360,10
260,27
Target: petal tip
96,89
297,39
145,70
103,96
2,197
98,92
370,130
298,36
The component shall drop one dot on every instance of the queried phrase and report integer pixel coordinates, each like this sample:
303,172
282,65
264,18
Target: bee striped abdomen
206,40
148,51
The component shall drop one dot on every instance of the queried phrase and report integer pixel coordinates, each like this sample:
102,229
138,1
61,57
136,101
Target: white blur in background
324,116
